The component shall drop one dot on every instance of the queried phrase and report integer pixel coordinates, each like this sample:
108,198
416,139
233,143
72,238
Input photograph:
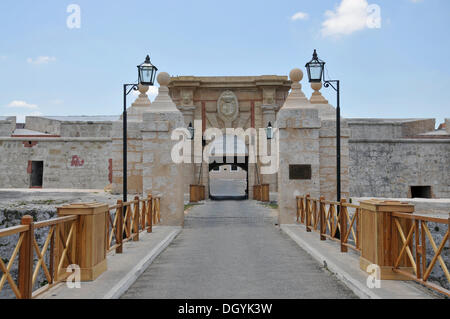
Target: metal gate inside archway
228,179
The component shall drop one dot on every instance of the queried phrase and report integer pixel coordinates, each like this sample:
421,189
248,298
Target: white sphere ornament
163,79
296,75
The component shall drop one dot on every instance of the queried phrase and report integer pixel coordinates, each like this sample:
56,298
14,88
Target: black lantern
269,131
147,72
315,69
191,131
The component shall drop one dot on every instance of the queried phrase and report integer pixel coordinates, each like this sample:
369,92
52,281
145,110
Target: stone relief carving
187,97
228,107
269,96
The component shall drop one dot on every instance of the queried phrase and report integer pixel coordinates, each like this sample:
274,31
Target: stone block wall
388,168
299,131
389,128
328,162
65,127
68,163
134,160
161,176
7,125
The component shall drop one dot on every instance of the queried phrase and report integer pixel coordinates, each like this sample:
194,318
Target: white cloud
22,105
300,16
416,1
41,60
349,16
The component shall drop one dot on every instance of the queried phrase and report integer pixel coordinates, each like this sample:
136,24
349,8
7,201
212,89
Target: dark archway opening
233,164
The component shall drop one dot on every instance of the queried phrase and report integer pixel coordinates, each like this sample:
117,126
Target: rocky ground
41,205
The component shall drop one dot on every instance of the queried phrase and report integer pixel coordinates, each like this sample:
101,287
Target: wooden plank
13,230
26,260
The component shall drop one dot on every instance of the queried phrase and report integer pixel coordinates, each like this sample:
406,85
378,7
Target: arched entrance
228,177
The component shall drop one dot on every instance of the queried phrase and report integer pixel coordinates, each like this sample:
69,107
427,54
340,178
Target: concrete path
228,187
231,250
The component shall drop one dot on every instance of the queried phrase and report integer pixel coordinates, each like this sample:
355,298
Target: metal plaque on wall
300,172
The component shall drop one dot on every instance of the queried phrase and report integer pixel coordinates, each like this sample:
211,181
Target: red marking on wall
204,116
29,144
30,167
77,161
110,170
253,114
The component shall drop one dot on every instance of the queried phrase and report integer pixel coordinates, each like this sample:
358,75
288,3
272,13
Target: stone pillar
134,162
162,176
328,162
299,126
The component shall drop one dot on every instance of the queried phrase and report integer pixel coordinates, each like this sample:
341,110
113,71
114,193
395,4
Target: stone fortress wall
381,158
387,157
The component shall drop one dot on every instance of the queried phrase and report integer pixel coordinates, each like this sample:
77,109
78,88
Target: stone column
299,127
134,115
162,176
328,163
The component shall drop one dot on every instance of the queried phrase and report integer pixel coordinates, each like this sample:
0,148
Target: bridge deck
233,250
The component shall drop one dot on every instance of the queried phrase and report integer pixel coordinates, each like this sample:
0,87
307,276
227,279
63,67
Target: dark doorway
421,192
237,166
37,173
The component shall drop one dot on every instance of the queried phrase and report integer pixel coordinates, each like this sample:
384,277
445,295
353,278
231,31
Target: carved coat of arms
228,107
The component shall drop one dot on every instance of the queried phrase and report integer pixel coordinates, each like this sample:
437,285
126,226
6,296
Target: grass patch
271,205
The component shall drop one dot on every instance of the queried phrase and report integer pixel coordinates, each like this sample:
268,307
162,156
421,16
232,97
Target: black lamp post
146,75
315,70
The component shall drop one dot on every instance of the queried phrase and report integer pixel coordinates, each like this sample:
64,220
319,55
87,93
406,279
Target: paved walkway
231,250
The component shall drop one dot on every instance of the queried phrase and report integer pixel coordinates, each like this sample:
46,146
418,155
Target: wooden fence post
136,219
143,214
308,211
119,228
322,221
150,213
26,259
343,223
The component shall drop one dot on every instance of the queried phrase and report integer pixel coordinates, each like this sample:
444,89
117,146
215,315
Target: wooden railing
337,221
414,241
127,220
55,247
52,258
408,236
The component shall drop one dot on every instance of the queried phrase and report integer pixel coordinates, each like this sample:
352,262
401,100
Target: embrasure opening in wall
421,192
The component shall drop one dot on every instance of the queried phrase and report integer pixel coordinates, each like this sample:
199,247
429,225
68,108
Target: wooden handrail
321,215
137,216
13,230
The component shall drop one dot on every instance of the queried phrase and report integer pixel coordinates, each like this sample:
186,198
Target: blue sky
401,69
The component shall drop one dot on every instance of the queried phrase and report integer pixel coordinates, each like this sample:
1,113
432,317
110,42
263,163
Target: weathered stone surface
388,168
